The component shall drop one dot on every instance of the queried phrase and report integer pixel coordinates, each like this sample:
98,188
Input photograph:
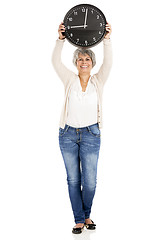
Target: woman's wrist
107,38
61,38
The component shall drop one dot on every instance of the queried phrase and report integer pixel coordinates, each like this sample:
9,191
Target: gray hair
84,51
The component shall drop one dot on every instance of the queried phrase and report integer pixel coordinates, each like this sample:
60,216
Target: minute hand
85,21
78,26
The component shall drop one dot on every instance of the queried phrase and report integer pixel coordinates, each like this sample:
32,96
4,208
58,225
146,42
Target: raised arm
105,68
63,72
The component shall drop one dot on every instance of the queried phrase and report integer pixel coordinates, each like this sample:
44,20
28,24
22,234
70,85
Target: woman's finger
61,29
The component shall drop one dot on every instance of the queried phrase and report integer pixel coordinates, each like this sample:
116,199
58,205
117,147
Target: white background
34,202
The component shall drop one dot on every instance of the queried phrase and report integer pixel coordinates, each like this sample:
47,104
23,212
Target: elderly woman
80,124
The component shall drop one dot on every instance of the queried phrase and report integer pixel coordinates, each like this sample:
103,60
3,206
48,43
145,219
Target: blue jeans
80,150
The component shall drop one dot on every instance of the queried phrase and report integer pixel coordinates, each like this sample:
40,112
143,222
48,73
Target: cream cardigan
68,77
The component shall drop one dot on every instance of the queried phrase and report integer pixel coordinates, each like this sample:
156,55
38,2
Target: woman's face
84,63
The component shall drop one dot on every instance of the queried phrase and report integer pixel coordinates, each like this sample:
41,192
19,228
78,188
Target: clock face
85,25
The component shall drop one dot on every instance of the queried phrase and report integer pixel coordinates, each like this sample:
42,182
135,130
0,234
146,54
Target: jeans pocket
94,130
62,131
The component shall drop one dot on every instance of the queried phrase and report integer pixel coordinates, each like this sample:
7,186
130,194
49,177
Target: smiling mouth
84,66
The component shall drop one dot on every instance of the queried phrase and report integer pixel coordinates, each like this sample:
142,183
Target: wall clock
84,25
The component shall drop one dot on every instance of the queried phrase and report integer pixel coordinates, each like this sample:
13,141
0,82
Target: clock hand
85,18
78,26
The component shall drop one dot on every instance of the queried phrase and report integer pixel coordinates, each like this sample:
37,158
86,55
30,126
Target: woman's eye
87,59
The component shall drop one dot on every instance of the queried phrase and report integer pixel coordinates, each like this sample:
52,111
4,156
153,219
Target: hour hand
78,26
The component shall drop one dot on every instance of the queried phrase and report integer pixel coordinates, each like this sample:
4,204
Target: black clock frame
68,35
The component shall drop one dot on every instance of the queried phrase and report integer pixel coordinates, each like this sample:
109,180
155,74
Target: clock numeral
92,11
94,39
101,24
100,32
70,19
86,42
68,27
71,34
75,13
83,10
77,40
97,16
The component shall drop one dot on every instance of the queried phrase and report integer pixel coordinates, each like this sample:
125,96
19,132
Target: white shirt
82,106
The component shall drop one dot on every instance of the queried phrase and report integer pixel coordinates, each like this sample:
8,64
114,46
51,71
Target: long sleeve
63,72
105,68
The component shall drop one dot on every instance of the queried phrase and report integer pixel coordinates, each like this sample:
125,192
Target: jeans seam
64,131
95,135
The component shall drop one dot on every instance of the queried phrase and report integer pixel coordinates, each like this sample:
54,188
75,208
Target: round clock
85,25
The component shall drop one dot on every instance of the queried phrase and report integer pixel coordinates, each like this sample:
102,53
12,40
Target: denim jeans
80,151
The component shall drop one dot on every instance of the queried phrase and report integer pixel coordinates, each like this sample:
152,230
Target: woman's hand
61,29
109,31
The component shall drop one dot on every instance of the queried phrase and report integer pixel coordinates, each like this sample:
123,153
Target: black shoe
91,226
77,230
